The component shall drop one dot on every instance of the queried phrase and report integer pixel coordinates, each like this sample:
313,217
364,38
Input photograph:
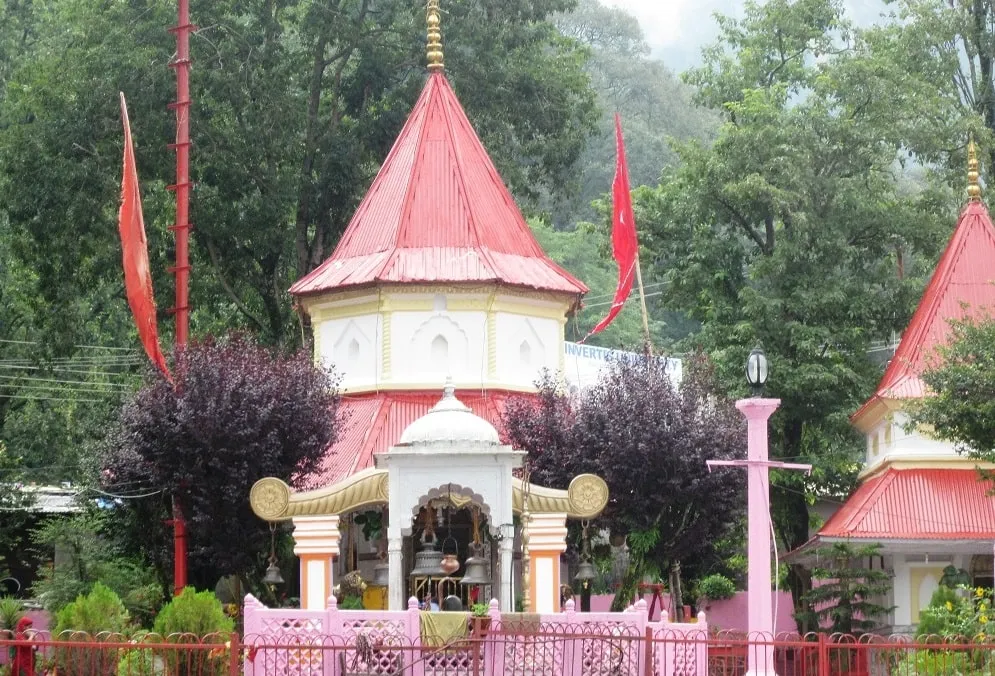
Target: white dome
450,422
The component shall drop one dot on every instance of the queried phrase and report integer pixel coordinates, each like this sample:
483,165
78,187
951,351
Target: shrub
193,612
199,614
941,663
96,617
99,612
716,587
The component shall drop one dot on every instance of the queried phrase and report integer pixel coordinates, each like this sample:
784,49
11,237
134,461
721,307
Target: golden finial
973,187
434,51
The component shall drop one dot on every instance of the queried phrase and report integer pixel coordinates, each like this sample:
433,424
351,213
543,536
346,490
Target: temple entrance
443,538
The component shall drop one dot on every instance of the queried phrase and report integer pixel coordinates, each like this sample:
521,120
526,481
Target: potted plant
481,618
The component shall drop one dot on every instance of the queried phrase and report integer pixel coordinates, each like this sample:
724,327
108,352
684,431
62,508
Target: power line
611,302
61,388
55,380
82,347
65,369
18,396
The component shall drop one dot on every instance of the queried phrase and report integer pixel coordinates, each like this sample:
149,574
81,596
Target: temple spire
434,51
973,187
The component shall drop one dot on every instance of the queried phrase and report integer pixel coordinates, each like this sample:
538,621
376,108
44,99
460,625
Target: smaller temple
449,467
920,499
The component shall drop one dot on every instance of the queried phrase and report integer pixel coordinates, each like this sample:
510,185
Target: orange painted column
547,542
316,543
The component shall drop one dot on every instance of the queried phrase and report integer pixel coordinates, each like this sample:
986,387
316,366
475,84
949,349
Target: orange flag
137,278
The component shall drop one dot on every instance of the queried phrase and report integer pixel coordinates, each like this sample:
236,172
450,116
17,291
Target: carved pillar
316,543
395,563
506,567
547,541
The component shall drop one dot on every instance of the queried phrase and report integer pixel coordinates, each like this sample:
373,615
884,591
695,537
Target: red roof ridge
438,211
916,503
884,480
953,292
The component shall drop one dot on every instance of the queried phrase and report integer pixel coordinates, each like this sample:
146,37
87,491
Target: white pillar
395,563
506,566
901,587
547,541
316,543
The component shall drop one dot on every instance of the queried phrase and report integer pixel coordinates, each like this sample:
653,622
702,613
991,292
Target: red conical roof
438,212
962,286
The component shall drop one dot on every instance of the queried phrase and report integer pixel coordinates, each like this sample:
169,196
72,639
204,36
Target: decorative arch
445,491
350,335
440,352
457,344
525,353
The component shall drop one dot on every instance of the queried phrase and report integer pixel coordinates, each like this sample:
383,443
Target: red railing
498,651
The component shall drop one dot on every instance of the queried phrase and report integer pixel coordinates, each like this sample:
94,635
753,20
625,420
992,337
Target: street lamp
760,616
756,370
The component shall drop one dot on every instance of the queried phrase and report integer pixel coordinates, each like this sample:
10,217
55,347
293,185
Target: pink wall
727,615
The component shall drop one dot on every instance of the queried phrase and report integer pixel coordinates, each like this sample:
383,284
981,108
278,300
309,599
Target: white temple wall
525,346
890,440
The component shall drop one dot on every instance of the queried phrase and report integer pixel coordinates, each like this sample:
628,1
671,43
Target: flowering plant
966,615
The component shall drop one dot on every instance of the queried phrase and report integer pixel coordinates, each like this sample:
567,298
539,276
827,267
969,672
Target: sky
676,30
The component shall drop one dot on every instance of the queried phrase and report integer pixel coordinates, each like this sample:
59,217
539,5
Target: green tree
847,600
794,229
962,408
295,106
654,104
83,551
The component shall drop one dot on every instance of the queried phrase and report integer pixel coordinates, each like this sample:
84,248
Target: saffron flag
625,247
135,254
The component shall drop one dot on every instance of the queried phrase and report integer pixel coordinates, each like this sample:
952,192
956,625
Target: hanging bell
428,563
273,577
476,571
586,572
381,574
450,564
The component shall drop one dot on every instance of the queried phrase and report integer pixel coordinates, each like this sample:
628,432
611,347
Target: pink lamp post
760,661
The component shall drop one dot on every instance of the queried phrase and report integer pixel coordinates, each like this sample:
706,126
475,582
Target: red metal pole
181,229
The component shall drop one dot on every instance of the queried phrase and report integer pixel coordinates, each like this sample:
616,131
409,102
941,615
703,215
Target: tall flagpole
647,345
181,229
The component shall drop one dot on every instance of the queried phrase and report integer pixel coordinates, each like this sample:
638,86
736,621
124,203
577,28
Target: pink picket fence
336,642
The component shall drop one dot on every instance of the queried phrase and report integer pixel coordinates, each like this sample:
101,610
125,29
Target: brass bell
586,573
273,577
428,563
381,574
450,564
476,571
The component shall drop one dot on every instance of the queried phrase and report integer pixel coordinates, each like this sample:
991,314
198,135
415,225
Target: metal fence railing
497,650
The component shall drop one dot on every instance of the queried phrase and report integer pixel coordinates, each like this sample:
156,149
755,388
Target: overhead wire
56,380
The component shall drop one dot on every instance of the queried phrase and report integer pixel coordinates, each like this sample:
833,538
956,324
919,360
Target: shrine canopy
438,211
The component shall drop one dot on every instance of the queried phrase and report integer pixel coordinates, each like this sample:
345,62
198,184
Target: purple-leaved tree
649,440
239,412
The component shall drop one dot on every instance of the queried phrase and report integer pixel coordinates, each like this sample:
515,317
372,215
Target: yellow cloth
441,627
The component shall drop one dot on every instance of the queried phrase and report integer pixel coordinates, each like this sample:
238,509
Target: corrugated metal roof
917,504
374,423
438,211
963,285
